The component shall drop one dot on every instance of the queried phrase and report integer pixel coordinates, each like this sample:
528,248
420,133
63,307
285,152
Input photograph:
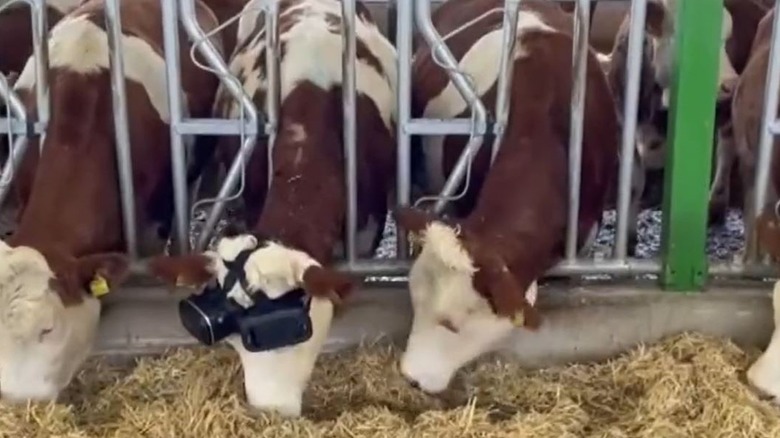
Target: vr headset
268,324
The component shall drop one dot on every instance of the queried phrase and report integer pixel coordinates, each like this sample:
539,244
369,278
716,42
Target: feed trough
686,385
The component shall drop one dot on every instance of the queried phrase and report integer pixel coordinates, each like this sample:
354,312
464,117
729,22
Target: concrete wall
581,323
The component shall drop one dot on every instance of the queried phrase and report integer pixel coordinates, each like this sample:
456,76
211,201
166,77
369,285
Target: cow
764,373
746,111
474,279
69,247
295,227
740,19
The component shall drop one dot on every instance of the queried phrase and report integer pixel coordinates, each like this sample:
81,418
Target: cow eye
44,332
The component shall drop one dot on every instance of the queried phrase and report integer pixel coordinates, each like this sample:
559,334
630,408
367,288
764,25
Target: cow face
465,302
764,374
274,380
48,321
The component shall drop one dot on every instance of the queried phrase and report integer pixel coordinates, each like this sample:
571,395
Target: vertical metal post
181,227
40,32
766,142
577,118
403,37
630,108
692,106
215,61
466,90
505,71
119,99
272,69
348,90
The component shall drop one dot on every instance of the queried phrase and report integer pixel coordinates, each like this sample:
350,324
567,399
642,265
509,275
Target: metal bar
11,164
460,126
234,87
19,127
121,131
348,96
272,67
775,127
505,71
636,35
687,171
16,148
40,31
466,90
39,28
577,119
766,140
175,104
220,127
615,268
403,36
15,104
747,271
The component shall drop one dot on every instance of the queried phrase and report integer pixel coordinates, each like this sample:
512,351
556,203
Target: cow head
465,301
655,76
274,380
48,319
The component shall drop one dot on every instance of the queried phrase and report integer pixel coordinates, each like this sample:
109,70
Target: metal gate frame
683,263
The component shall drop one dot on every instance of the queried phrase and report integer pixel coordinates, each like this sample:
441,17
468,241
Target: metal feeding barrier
678,268
18,126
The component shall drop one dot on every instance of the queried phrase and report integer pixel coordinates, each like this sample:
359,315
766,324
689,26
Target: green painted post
688,160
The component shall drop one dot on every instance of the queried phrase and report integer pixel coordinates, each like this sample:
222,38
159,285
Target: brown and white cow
764,373
474,280
740,19
746,113
303,214
70,229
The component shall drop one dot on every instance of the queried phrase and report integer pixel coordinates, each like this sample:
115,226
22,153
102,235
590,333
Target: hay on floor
686,386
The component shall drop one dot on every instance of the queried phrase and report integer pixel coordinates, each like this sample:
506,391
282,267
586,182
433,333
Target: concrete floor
581,323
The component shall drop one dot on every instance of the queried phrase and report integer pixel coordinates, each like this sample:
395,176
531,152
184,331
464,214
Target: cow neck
309,223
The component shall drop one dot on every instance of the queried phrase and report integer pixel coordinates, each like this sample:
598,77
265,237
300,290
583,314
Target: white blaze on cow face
276,380
453,324
42,342
764,374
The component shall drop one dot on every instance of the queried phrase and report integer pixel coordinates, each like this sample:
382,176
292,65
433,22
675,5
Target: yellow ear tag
98,286
519,319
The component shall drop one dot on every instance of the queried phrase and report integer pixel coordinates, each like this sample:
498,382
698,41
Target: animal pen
605,278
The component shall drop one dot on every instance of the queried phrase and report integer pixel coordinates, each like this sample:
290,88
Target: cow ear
412,219
102,271
324,282
190,270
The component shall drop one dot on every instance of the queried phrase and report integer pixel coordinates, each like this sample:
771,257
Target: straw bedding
688,385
